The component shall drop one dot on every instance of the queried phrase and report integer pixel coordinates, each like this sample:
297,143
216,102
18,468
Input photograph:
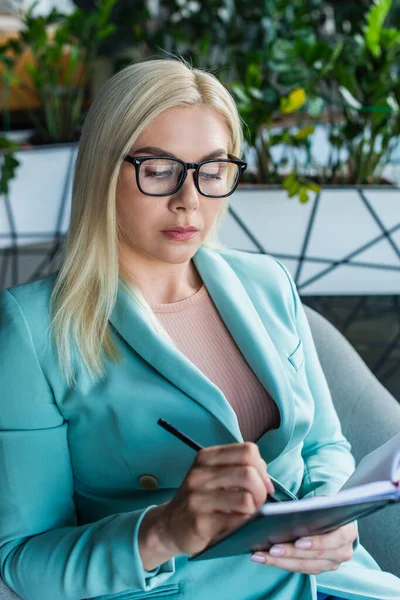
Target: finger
211,525
222,523
243,477
246,453
241,502
270,486
339,555
334,539
297,565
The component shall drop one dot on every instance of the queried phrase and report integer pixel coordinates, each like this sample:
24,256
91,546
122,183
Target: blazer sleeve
44,553
328,461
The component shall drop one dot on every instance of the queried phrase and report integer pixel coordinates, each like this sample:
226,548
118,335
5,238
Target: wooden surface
22,94
19,99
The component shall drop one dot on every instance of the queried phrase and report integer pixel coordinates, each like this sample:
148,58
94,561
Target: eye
214,171
158,173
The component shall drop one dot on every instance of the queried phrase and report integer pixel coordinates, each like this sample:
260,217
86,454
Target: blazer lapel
242,320
250,334
129,319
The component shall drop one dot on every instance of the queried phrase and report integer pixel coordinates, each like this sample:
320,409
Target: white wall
44,6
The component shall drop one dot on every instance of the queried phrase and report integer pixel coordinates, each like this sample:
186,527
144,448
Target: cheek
132,207
133,215
139,217
212,209
127,195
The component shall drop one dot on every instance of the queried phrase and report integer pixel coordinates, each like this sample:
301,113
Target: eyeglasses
164,176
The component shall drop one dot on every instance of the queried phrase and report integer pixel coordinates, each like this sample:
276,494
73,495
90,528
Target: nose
187,197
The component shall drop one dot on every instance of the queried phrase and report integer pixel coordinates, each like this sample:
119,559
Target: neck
162,283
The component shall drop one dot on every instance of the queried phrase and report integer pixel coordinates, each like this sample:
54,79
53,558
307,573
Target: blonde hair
86,288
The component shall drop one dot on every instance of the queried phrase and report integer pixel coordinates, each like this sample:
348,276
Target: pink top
201,335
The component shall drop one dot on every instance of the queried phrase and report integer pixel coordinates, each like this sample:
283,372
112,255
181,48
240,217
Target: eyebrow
160,151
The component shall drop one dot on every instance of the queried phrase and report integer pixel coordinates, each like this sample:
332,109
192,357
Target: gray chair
369,417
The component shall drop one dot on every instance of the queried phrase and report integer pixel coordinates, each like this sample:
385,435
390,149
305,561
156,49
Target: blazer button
148,482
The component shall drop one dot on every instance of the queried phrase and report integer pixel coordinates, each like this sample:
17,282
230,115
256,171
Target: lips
182,229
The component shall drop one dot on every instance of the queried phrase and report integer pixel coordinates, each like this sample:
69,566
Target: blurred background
317,85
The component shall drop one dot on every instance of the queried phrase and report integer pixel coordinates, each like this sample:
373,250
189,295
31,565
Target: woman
142,322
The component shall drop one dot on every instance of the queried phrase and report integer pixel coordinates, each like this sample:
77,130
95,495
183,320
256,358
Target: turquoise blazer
72,493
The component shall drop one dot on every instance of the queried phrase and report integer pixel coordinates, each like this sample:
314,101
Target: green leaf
8,168
291,185
294,101
204,44
253,76
303,195
314,187
240,93
104,8
349,98
375,19
6,144
304,132
288,181
330,63
390,38
256,93
106,31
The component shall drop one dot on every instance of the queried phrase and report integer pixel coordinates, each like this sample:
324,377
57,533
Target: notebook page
378,490
383,464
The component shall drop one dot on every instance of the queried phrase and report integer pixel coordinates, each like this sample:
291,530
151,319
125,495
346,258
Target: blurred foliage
62,48
294,64
368,81
349,16
131,19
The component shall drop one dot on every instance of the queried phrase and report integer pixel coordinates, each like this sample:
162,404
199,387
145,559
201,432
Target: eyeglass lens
161,176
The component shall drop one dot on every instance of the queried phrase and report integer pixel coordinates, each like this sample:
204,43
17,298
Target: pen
192,444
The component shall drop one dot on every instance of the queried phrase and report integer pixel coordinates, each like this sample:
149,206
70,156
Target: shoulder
33,295
24,335
28,304
256,265
266,281
262,272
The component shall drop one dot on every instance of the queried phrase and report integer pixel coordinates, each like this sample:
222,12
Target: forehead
187,132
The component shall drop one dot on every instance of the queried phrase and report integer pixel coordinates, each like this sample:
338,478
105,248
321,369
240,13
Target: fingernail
302,544
257,558
277,551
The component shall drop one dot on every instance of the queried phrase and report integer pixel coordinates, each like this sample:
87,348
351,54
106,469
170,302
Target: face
188,133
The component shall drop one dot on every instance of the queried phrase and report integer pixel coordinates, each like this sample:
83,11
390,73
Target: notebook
374,484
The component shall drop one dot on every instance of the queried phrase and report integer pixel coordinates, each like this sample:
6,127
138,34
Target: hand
313,555
224,487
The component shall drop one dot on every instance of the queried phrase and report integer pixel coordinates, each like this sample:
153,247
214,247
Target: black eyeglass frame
136,161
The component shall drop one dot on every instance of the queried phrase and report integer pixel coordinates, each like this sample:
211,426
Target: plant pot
344,241
38,205
35,214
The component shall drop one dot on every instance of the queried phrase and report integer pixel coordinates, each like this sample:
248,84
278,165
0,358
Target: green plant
255,50
267,52
63,48
9,163
279,114
352,87
368,81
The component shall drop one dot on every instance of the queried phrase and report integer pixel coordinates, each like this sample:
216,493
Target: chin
178,255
